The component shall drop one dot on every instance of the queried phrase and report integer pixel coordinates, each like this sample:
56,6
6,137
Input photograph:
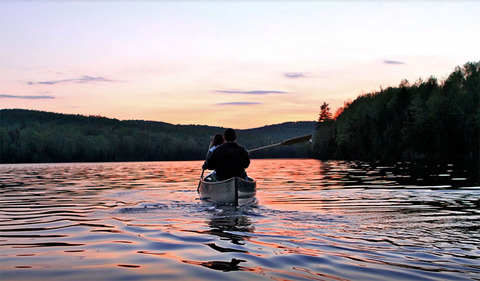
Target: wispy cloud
26,97
255,92
295,75
82,79
238,103
393,62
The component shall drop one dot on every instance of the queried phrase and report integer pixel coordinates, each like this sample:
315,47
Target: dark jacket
228,160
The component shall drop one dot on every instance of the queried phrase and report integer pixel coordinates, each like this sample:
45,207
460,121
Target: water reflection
224,266
314,221
229,227
229,223
400,175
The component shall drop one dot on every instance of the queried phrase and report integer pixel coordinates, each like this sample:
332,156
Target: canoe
235,191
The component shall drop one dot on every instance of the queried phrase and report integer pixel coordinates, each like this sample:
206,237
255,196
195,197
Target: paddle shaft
265,147
285,142
200,181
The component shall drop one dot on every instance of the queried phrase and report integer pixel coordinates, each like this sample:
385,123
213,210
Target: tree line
428,121
28,136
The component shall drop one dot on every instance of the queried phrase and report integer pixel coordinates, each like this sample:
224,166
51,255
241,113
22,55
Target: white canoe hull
235,191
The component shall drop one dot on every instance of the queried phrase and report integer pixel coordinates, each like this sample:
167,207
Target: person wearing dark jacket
229,159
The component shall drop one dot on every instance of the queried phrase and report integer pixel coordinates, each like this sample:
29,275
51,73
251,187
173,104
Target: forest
429,121
28,136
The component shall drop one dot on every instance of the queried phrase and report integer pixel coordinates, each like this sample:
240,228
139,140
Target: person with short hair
229,159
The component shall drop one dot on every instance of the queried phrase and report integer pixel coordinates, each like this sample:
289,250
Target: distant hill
28,136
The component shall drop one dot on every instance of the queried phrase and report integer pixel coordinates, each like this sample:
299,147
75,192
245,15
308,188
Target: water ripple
313,221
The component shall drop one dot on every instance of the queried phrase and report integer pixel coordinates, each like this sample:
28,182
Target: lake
313,221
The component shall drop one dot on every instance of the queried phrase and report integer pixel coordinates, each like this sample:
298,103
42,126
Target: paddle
285,142
200,181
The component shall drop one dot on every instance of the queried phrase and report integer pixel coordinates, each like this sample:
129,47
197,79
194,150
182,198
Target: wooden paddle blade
297,140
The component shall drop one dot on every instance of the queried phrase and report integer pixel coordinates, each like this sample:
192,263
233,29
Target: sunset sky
223,63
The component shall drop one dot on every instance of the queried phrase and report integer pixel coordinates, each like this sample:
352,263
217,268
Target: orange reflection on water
284,183
144,221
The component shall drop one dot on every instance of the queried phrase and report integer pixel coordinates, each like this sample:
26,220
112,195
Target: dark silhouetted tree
324,113
425,121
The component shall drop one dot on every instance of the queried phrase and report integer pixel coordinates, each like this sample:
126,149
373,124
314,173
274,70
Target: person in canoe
229,159
216,141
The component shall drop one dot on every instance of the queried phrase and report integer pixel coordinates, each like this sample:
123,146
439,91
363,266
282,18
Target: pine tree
324,113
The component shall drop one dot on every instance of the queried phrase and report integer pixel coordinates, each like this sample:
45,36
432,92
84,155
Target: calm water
313,221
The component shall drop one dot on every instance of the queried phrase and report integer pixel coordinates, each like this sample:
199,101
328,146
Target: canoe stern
235,191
